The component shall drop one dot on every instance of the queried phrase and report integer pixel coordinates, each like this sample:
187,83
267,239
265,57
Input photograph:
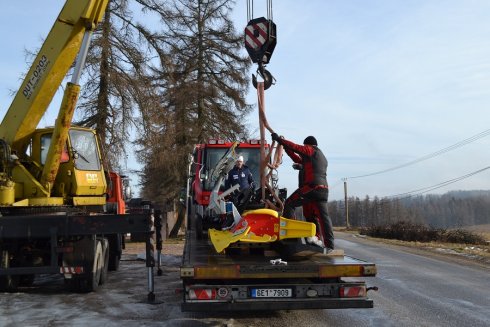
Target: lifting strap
265,158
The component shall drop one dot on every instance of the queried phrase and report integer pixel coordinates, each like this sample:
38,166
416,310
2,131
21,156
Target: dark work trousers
314,200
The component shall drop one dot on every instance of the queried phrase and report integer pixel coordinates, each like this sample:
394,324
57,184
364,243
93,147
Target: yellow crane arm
49,68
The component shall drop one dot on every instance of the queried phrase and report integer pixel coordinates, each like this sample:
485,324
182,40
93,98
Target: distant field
480,229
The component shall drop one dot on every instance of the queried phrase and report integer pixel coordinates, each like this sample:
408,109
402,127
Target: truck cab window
45,143
251,158
84,148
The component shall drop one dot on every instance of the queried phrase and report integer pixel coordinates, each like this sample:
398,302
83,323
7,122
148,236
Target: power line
436,186
429,156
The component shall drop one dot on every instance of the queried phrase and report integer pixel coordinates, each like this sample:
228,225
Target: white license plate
272,292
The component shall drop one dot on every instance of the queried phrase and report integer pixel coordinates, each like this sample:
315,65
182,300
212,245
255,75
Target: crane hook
269,80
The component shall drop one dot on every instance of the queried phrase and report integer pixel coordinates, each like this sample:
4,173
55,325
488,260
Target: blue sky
378,83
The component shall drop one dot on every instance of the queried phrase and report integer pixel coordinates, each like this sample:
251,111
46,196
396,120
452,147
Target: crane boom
59,165
49,68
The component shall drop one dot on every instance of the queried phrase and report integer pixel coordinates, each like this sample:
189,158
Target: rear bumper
261,305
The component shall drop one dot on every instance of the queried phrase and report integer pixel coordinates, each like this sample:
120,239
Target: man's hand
276,138
297,166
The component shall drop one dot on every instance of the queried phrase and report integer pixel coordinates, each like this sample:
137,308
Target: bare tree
117,76
202,87
164,87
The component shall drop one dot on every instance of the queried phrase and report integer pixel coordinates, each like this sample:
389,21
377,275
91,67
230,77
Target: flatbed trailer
250,277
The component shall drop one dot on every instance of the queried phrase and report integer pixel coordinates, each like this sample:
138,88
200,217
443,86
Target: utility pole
347,224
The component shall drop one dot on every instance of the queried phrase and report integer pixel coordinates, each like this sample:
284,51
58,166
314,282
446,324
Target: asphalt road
414,290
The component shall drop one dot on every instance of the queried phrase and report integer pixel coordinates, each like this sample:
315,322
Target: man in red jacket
312,192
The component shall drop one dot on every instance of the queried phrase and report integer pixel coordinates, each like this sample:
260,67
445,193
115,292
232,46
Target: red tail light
353,291
202,294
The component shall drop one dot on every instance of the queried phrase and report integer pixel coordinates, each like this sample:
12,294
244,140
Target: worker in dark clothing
312,192
240,174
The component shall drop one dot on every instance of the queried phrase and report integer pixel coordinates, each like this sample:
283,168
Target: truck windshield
251,158
84,147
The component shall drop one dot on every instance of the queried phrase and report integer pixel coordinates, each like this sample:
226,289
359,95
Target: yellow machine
60,165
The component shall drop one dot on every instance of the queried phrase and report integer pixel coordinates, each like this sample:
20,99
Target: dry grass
483,230
479,253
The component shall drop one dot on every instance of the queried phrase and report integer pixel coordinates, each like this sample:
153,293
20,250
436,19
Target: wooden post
347,224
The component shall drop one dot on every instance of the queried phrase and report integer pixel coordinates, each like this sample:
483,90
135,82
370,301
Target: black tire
114,262
90,281
9,283
26,280
115,250
105,267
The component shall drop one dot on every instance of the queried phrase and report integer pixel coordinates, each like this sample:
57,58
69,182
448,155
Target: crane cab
80,180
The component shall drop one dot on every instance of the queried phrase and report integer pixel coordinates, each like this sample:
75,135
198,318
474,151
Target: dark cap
311,140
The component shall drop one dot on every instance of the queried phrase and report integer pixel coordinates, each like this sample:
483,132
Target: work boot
228,222
315,241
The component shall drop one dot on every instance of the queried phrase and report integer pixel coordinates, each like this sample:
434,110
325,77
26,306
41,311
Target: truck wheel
113,263
115,250
9,283
26,280
90,281
105,267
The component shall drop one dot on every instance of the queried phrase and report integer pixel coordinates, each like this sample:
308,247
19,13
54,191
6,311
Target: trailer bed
251,262
250,277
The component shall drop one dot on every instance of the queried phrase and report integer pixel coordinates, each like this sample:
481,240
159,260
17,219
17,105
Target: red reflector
71,270
353,291
202,294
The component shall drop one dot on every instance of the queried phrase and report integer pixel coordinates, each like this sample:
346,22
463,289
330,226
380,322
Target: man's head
239,161
310,140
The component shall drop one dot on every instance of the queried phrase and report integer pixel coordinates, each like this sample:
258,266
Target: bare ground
123,300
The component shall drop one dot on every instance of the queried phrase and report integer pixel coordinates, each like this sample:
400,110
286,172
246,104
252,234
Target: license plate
272,292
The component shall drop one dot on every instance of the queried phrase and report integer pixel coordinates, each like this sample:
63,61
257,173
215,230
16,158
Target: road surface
415,289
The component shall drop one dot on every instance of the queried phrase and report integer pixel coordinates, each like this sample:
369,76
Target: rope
265,158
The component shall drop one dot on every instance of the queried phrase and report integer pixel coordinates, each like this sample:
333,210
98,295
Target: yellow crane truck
53,186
